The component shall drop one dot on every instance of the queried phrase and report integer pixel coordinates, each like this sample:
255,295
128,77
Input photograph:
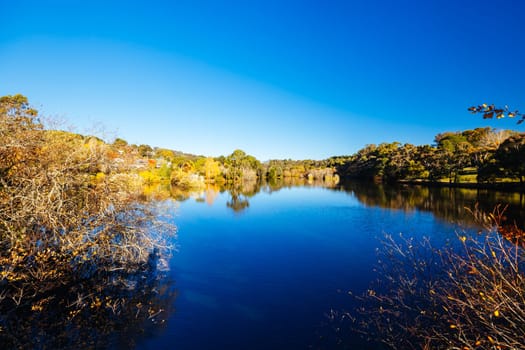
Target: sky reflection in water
264,277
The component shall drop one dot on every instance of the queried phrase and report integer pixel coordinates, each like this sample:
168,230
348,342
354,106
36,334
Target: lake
257,267
261,270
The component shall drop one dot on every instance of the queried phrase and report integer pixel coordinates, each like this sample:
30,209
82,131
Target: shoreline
498,186
495,186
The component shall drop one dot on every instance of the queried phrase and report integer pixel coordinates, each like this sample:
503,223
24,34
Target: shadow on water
108,311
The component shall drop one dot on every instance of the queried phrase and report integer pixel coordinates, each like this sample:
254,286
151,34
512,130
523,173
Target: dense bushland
482,155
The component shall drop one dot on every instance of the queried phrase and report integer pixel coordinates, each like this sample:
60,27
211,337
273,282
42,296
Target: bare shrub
65,215
466,294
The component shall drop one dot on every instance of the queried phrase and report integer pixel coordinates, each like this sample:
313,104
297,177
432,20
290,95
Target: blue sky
278,79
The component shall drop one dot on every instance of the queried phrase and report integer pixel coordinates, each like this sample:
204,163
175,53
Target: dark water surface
260,271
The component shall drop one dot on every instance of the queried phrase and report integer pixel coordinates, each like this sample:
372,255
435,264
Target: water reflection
449,204
114,310
445,203
239,192
292,249
238,202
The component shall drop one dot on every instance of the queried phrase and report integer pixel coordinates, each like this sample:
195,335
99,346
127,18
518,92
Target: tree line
481,155
186,171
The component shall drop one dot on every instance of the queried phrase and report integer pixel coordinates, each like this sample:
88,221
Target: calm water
261,271
256,268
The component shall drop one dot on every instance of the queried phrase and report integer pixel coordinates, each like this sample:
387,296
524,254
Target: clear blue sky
278,79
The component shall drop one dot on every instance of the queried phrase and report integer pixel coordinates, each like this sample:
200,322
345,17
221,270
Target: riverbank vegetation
182,171
161,166
465,294
482,156
73,230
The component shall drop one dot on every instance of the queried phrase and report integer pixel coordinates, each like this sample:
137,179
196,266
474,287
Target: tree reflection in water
446,203
238,202
111,310
239,194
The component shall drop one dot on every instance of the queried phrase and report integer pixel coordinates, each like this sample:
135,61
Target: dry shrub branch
467,294
66,214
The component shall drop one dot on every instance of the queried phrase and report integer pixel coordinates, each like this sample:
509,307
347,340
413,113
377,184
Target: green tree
511,156
120,143
241,166
145,150
454,150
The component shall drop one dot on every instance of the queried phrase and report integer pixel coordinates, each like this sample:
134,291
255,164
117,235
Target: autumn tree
165,154
212,169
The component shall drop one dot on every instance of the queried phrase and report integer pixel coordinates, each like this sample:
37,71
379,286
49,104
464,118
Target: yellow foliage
36,308
150,177
100,177
212,169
